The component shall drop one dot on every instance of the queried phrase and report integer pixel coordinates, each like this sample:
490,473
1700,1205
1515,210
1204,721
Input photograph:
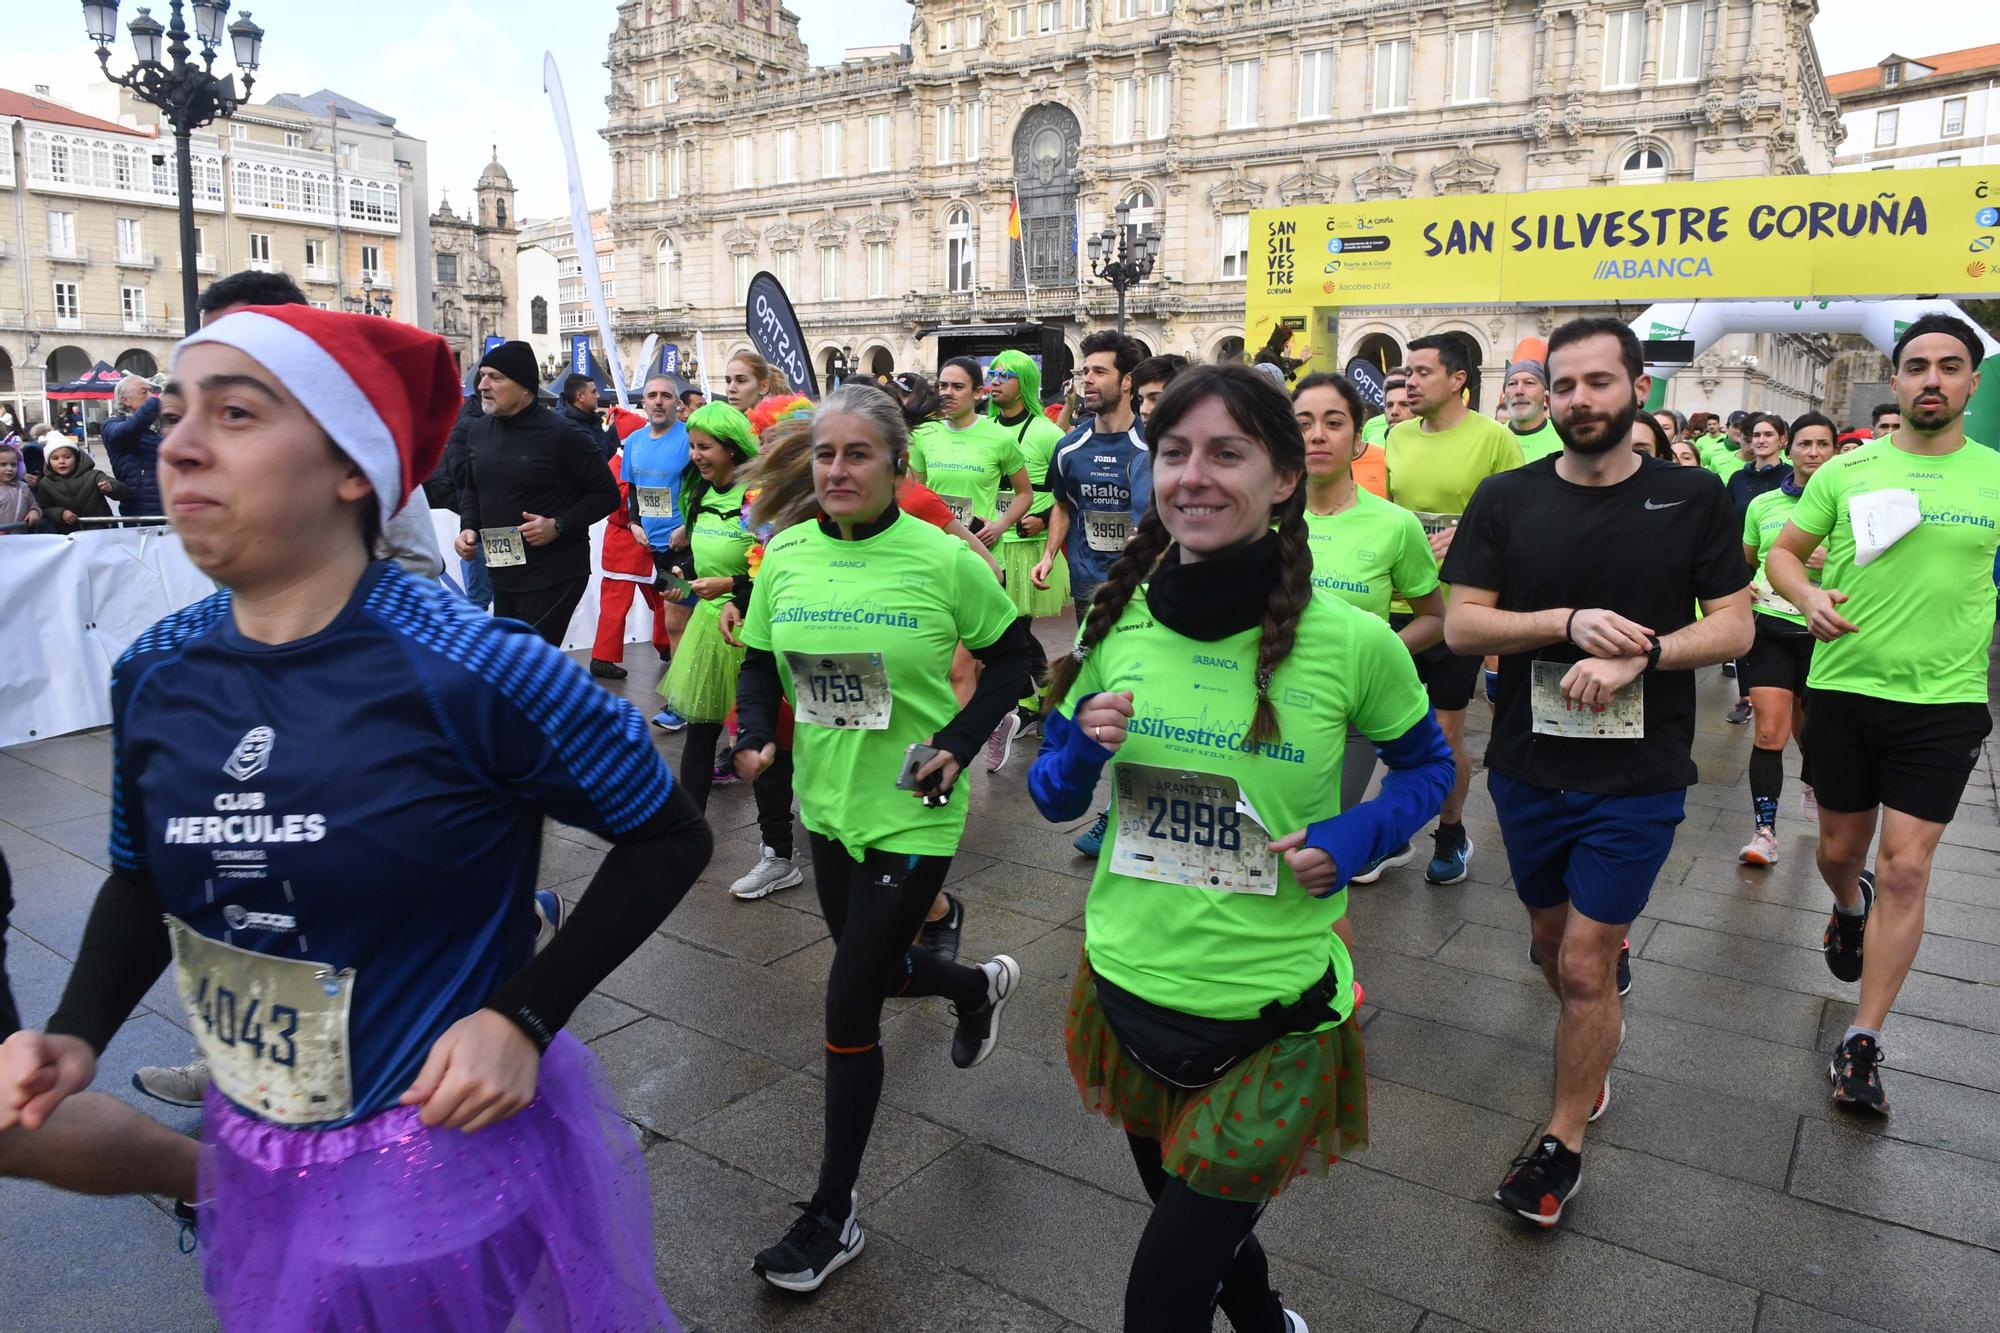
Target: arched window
1142,216
1643,166
958,253
666,276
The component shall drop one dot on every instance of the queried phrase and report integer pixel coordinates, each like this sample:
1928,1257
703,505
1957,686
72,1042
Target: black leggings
698,760
547,611
773,790
874,908
1196,1254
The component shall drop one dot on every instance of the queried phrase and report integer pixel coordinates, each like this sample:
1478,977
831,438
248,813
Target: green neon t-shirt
1762,523
965,467
1924,606
1540,442
1724,464
1369,549
1035,440
909,593
1433,475
1207,951
1376,429
720,542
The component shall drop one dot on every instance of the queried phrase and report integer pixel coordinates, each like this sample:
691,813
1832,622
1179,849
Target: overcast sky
467,75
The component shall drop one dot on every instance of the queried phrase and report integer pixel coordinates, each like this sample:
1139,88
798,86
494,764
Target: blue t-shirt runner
1103,481
655,462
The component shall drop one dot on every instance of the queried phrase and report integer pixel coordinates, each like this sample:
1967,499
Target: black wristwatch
1652,653
559,527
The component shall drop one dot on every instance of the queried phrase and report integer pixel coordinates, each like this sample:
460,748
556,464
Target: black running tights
874,908
1197,1253
698,760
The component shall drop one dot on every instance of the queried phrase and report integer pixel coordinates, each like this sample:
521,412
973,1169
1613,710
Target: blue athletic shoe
668,720
548,917
1454,851
1091,841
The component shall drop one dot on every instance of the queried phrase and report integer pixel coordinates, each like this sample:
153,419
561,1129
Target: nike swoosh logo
1669,505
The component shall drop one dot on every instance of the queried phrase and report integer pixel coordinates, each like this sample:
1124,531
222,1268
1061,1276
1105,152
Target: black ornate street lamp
185,90
1122,259
372,301
840,364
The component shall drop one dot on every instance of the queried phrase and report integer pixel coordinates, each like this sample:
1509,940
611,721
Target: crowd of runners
332,775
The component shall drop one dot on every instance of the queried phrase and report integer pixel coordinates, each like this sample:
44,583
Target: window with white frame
1233,239
1316,85
1472,66
200,242
62,233
676,171
130,242
788,156
1048,17
946,31
1243,92
1124,109
68,309
1392,75
1680,42
1159,105
132,305
649,92
315,257
878,268
238,130
651,186
829,273
1128,9
946,131
1953,161
293,139
371,263
1079,14
879,132
1891,75
260,249
958,253
1017,23
785,265
1885,128
666,272
1953,123
1161,7
1624,47
744,169
972,31
1142,215
973,123
831,144
741,272
1643,166
673,87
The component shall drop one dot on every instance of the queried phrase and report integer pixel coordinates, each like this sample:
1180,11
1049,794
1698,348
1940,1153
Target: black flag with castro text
775,330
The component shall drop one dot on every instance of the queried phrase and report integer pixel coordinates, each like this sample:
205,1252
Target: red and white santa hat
386,393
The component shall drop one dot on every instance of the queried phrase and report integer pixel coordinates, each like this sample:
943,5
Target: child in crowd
74,489
17,502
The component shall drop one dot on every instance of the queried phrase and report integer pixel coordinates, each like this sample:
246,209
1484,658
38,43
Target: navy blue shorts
1600,854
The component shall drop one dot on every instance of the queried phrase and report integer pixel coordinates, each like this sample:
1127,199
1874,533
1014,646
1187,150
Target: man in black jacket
535,483
579,404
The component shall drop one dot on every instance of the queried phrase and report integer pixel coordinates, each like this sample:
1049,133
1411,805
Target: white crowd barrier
71,605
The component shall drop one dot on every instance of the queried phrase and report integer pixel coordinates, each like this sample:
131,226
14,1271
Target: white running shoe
771,873
1762,849
1294,1323
1000,745
1811,803
176,1085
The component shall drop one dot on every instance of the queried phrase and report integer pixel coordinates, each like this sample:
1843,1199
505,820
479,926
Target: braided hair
1263,412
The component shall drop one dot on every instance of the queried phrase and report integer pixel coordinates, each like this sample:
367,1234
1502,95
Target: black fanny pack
1189,1052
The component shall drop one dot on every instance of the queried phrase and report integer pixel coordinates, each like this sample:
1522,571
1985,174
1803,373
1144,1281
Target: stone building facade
474,267
879,190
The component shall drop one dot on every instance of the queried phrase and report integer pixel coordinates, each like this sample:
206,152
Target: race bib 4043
849,691
1192,829
273,1030
1555,714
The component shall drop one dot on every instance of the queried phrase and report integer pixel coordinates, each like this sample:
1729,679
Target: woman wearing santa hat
327,804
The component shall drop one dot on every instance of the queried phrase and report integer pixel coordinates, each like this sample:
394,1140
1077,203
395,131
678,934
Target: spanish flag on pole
1014,218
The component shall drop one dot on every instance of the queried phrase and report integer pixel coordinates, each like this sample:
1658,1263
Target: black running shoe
1857,1082
941,936
188,1236
1841,942
1625,968
979,1029
1540,1183
812,1249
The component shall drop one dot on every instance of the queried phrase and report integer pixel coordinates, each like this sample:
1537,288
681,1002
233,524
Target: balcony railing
137,259
266,266
318,273
75,254
202,263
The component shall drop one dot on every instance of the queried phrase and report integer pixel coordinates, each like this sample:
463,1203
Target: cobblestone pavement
1723,1191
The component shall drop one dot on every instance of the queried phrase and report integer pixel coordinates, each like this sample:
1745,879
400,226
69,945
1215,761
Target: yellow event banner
1863,233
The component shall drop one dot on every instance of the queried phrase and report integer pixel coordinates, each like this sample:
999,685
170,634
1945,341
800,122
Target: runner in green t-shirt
1366,552
1898,711
1527,391
1774,671
1014,389
1211,907
855,617
1436,461
967,458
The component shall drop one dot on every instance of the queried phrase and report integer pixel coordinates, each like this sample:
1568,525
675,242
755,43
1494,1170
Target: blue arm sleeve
1064,776
1419,777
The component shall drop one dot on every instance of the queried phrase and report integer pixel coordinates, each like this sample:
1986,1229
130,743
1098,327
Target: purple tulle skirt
541,1223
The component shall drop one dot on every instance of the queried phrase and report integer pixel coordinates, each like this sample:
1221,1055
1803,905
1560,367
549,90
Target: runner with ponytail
1212,1017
